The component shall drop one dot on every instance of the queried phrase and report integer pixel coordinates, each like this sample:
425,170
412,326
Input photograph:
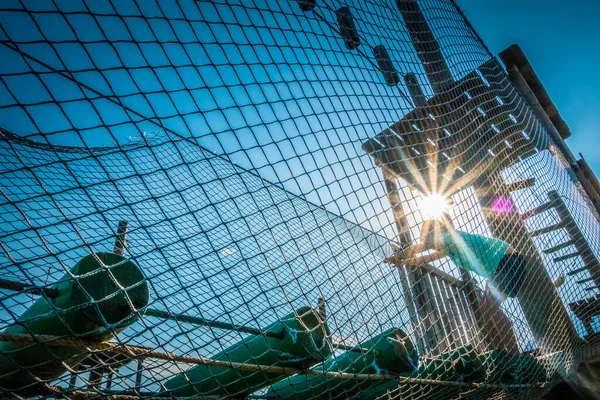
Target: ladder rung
547,229
537,210
513,187
579,282
559,247
567,256
578,270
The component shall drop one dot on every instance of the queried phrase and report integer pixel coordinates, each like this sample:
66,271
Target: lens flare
434,206
502,205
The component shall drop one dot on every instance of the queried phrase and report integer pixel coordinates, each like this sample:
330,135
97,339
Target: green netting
228,199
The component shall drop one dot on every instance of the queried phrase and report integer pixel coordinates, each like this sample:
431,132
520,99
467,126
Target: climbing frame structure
229,199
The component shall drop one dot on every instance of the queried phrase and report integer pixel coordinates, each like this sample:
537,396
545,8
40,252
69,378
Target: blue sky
561,41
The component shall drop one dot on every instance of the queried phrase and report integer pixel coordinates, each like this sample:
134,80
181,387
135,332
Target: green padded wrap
505,368
391,352
72,314
462,364
301,346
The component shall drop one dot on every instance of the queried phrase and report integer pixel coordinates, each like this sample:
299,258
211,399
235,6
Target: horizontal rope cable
151,312
138,351
25,287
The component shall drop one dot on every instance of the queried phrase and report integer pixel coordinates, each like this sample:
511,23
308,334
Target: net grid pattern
272,163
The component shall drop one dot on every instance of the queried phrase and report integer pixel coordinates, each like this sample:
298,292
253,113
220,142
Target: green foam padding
391,352
302,345
505,368
462,364
100,297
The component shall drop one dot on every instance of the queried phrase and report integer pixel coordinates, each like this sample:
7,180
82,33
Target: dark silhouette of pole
427,47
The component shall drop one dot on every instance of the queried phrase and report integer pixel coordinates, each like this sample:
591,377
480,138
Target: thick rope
137,351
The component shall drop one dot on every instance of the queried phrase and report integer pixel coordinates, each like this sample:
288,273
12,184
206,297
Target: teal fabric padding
477,253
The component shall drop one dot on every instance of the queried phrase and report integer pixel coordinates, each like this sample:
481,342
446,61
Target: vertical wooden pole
121,239
473,300
138,375
417,294
543,308
436,300
428,311
450,303
405,239
393,194
473,334
414,89
95,377
427,47
74,375
109,379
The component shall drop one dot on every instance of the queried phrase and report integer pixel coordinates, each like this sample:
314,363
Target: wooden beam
415,289
514,55
121,238
415,90
426,45
523,88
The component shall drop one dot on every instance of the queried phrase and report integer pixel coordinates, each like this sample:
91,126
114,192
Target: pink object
502,205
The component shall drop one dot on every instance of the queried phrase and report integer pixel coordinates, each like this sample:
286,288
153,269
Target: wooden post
73,379
392,190
427,47
450,303
414,89
121,239
543,308
109,380
138,374
443,305
95,377
473,299
428,311
417,294
468,311
405,240
589,175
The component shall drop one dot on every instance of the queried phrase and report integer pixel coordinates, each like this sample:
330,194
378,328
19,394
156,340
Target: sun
434,206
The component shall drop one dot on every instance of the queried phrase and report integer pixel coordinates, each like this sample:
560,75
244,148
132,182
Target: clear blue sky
562,41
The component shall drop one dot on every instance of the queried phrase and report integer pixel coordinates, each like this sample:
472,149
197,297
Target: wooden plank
418,145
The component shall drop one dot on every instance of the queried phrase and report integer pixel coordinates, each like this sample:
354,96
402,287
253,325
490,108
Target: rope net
238,199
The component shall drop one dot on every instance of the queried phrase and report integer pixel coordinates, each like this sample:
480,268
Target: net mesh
232,199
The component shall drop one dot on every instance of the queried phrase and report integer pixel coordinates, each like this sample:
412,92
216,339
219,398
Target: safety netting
281,199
